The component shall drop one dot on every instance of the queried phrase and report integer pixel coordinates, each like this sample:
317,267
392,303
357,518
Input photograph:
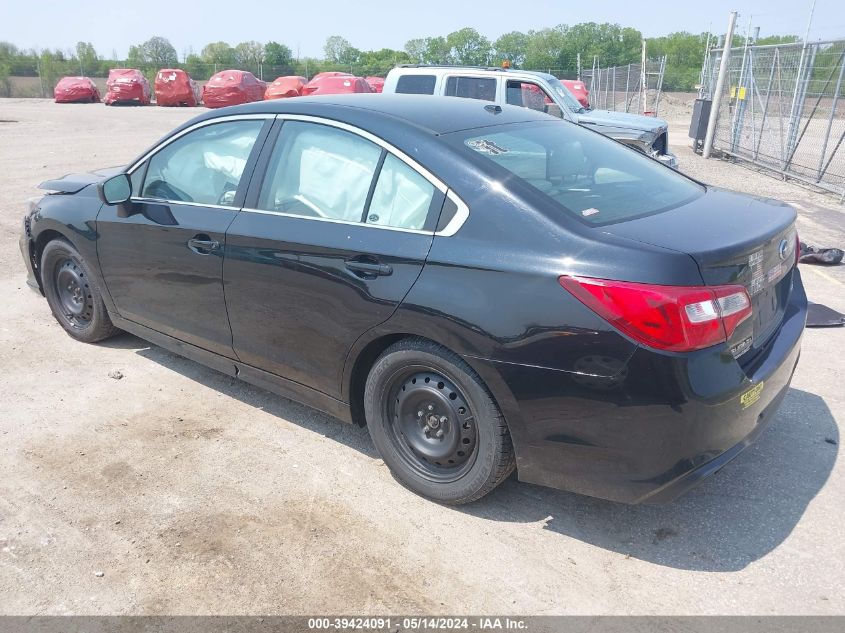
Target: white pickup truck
535,90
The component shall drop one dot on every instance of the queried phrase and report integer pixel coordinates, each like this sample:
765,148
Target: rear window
416,84
471,88
587,175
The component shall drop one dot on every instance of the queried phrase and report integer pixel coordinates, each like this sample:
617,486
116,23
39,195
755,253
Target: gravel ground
137,482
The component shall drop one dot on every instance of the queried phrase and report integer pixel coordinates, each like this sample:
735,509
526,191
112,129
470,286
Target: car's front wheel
73,294
435,424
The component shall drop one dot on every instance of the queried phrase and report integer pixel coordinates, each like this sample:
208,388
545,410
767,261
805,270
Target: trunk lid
734,239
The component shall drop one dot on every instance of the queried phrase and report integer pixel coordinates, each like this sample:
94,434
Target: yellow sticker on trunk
751,396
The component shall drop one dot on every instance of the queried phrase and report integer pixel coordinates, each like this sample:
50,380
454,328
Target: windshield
564,95
585,174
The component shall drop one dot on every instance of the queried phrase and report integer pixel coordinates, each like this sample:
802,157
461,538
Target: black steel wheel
73,294
431,424
435,424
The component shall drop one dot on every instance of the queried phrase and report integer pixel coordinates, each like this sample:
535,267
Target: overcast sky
112,25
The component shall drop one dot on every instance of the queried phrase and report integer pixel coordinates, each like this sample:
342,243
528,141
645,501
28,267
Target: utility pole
643,80
578,77
720,84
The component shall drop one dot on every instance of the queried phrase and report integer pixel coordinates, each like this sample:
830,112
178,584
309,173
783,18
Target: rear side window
588,175
416,84
402,197
482,88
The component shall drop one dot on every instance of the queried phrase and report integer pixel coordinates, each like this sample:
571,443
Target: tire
435,424
73,294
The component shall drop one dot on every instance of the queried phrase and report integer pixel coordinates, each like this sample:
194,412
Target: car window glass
416,84
588,175
401,198
137,179
471,88
204,166
529,95
319,171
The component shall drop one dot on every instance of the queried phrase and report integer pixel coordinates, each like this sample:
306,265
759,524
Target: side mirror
115,190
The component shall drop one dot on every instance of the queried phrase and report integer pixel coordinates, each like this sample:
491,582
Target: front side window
319,171
482,88
416,84
527,94
204,166
589,176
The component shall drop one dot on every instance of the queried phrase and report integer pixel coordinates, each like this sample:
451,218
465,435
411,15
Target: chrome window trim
334,221
450,229
183,203
431,178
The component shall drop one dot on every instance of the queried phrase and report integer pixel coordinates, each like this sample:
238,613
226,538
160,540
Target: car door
331,240
162,253
529,94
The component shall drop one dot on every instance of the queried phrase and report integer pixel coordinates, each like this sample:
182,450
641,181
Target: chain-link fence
620,88
783,107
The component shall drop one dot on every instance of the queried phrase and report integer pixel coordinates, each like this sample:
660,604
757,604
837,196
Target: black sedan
484,288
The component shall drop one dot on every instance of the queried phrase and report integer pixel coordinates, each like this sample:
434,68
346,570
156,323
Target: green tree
437,51
219,53
778,39
5,82
87,57
684,57
381,61
468,47
159,53
511,46
415,49
276,54
543,48
196,67
338,50
136,58
249,54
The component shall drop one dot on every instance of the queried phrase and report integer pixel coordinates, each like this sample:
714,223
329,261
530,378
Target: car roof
437,115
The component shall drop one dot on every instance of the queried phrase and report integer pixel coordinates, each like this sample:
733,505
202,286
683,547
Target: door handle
369,269
203,244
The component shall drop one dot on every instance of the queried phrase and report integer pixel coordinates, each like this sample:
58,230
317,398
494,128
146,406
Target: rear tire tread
504,457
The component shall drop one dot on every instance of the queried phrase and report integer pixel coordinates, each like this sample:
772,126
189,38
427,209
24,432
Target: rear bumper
657,428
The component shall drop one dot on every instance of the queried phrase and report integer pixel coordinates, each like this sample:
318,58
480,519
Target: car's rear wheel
73,294
435,424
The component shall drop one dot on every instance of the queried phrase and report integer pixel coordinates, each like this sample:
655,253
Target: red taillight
672,318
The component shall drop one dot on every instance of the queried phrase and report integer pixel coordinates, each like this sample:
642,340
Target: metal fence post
643,79
614,89
832,113
627,86
720,84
